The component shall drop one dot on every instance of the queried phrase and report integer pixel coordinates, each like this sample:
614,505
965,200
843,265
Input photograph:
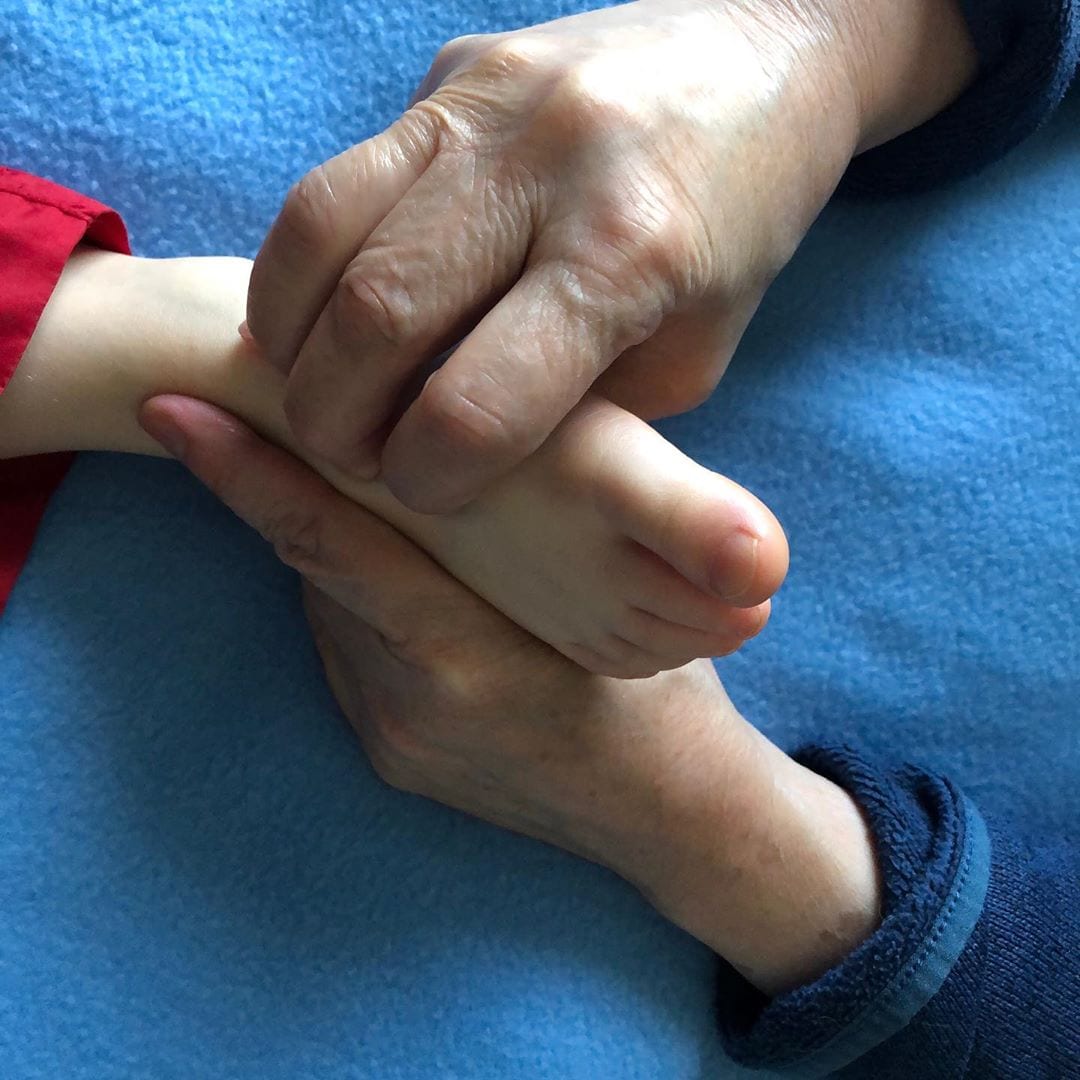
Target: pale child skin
608,544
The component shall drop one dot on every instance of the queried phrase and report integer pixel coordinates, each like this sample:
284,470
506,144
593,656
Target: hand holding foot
609,544
660,779
576,222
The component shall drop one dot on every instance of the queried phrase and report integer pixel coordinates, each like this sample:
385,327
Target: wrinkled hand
604,197
659,779
451,699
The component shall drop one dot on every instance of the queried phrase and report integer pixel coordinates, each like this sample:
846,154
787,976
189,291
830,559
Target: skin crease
659,779
575,223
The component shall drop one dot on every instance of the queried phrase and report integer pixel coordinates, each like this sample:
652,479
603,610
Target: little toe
680,644
616,657
658,588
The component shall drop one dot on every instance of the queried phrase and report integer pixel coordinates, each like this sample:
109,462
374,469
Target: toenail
736,565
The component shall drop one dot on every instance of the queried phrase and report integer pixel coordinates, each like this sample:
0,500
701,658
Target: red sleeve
41,223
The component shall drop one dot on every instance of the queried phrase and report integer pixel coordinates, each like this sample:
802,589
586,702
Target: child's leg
608,543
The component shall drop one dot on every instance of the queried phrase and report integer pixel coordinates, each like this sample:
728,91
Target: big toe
715,533
743,564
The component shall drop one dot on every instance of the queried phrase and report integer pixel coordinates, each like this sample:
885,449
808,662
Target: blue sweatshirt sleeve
974,971
1029,52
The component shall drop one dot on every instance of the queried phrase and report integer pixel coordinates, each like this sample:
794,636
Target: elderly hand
604,197
660,780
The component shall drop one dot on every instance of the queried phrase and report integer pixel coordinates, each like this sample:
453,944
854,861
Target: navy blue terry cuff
1029,51
934,853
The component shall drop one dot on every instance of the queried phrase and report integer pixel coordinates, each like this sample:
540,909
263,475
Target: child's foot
608,543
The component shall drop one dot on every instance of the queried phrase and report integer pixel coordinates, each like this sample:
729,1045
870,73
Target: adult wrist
770,865
893,63
907,60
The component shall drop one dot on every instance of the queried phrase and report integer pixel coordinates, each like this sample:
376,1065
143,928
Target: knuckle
410,632
447,120
477,76
400,637
309,209
612,291
516,55
465,686
644,244
627,221
587,100
459,49
455,683
466,421
376,300
298,540
619,272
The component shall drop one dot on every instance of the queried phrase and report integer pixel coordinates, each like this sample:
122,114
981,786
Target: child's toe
679,644
714,532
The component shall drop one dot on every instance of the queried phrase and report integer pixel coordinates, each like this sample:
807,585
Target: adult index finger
325,220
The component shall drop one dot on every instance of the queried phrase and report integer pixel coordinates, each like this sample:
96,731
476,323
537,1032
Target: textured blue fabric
1008,1006
200,876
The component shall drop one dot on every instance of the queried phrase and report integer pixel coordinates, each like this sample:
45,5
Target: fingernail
245,332
736,564
167,434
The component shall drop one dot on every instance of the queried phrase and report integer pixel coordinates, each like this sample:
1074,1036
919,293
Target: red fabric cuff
41,224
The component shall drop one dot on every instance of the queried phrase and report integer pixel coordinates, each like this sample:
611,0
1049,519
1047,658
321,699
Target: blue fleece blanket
200,876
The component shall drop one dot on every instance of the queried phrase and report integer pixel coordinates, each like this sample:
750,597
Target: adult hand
658,779
604,197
